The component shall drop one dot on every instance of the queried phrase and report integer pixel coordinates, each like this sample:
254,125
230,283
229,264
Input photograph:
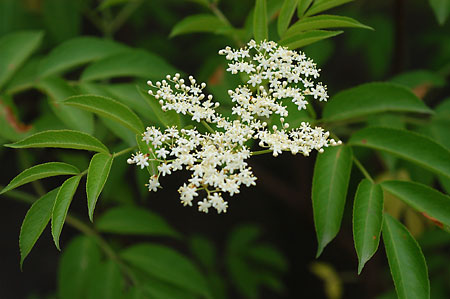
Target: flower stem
124,151
208,127
362,169
261,152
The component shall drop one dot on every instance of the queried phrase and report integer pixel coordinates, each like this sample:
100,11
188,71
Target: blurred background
410,45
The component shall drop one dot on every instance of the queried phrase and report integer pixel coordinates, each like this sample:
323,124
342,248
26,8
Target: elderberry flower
217,160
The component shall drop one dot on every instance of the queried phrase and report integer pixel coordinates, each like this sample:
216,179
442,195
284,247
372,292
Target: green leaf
372,98
62,18
167,118
110,3
108,108
158,289
145,149
129,220
322,5
15,48
40,171
417,78
286,13
67,55
166,264
367,220
34,223
242,237
303,5
78,261
105,281
61,139
98,172
407,145
260,25
131,63
441,9
57,90
422,198
204,251
61,206
329,191
406,261
306,38
267,255
197,23
25,77
323,22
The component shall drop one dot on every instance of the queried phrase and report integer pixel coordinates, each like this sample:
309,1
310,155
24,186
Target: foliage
91,108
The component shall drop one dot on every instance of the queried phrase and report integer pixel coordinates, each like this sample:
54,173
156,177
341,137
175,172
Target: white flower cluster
217,160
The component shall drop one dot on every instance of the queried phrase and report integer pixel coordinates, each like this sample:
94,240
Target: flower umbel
217,159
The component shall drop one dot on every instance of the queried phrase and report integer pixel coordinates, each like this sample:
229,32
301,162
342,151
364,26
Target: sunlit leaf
329,192
286,13
40,171
303,5
407,145
422,198
109,108
367,220
34,223
322,5
406,261
302,39
61,139
61,206
98,172
129,220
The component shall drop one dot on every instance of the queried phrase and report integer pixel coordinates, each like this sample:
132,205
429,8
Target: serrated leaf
406,261
306,38
35,222
168,265
407,145
167,118
286,13
61,206
57,90
130,63
371,98
129,220
260,25
109,108
15,48
197,23
98,172
441,9
303,5
323,22
61,139
329,192
40,171
322,5
367,220
67,55
105,281
422,198
78,260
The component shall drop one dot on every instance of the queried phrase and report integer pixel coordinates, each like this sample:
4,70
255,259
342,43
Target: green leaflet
322,5
303,5
286,13
105,281
61,139
40,171
108,108
67,55
61,206
406,261
168,265
167,118
129,220
407,145
34,223
62,18
421,197
329,191
129,63
371,98
98,172
306,38
198,23
15,48
260,30
441,9
322,22
367,220
78,260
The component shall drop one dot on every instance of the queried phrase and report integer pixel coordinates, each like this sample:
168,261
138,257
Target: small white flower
164,169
